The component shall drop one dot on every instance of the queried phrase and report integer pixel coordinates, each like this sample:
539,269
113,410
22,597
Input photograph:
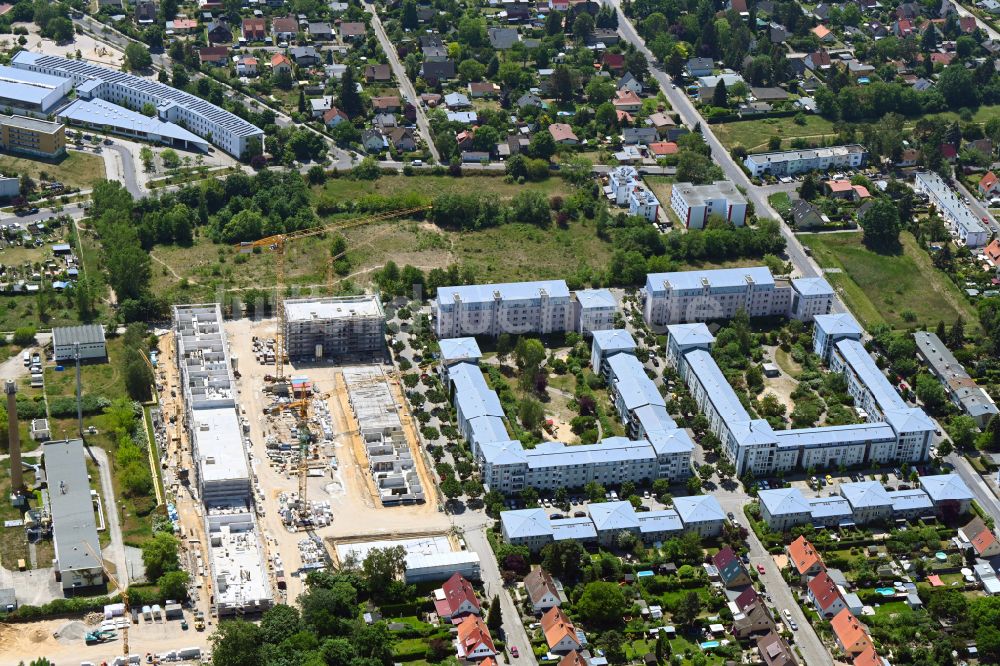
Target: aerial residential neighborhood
411,333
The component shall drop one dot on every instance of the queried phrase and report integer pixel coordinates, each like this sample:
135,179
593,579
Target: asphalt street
404,81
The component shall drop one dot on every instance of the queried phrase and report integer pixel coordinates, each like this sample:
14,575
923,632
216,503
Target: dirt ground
89,48
31,640
356,513
781,386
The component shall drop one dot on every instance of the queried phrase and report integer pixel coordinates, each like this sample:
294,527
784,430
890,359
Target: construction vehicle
99,636
123,589
277,244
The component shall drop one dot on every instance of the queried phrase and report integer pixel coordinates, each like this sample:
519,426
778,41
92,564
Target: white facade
87,341
791,162
962,222
491,309
227,130
594,310
625,188
694,203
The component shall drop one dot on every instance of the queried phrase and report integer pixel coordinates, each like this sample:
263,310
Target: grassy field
76,169
96,378
431,186
881,288
754,134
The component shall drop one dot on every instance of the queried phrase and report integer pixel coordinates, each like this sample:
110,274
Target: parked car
760,569
514,652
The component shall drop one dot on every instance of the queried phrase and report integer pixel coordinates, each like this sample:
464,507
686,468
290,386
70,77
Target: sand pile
71,632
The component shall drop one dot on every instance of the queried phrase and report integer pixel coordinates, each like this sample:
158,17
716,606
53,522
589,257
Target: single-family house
852,636
823,33
754,621
352,31
474,641
563,134
818,60
613,62
438,69
219,32
456,100
626,100
304,56
805,215
145,12
542,590
731,570
560,633
825,595
182,26
502,38
373,141
697,67
246,65
638,135
402,139
989,185
663,148
334,117
661,122
214,55
984,541
378,72
387,104
805,558
456,599
629,82
284,28
320,105
774,651
483,89
254,29
280,63
320,31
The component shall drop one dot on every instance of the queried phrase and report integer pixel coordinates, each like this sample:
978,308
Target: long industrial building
334,327
226,130
222,468
32,91
656,447
894,431
74,529
963,390
696,296
964,224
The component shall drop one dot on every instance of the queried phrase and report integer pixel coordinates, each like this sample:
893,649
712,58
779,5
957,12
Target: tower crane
124,592
278,242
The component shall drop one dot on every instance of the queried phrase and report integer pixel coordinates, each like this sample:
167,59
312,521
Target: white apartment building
594,310
625,188
698,296
643,203
894,432
515,307
694,203
334,326
791,162
962,222
619,179
227,130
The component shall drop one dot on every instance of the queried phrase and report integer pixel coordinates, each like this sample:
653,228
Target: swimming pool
886,591
708,645
941,556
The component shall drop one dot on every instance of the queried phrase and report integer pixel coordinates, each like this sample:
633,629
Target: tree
59,29
931,393
530,412
583,27
24,336
720,96
237,643
451,487
688,609
962,430
327,611
383,568
137,57
173,585
594,491
409,19
350,98
663,647
494,619
808,189
602,604
956,338
159,555
989,440
881,225
542,145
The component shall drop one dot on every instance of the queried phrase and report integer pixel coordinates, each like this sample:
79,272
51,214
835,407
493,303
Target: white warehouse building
227,130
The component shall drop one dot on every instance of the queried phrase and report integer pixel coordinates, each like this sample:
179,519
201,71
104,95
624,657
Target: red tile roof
472,631
804,555
851,633
458,590
824,590
987,182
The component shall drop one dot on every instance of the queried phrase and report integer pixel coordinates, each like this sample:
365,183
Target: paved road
977,207
128,170
404,81
984,494
115,551
515,633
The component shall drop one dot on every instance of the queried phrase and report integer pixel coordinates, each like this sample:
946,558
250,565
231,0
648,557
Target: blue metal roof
814,286
666,520
459,348
699,509
783,501
596,298
722,278
488,429
609,450
632,384
99,112
503,453
509,291
613,516
865,494
943,487
827,507
909,419
723,398
690,334
573,529
840,323
910,500
654,418
864,367
615,339
524,523
472,396
824,436
670,441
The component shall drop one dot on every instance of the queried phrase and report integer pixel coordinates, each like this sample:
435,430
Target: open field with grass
76,169
431,186
97,378
902,290
754,134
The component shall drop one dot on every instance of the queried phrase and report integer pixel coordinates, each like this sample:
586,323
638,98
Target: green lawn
781,202
95,378
880,288
75,169
431,186
754,134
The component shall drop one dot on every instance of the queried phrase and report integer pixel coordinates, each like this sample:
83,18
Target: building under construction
390,459
334,327
222,469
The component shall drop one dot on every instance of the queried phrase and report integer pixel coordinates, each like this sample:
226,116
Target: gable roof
538,583
981,536
353,29
746,598
457,591
848,629
824,590
803,555
868,658
987,182
573,659
774,651
472,632
556,627
562,132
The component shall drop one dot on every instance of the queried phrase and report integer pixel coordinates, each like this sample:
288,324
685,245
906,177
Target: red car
513,651
760,569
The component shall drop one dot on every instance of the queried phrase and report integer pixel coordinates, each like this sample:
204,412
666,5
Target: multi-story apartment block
491,309
227,130
21,134
963,223
791,162
895,432
697,296
832,328
643,202
625,188
656,448
334,327
694,203
594,310
619,180
961,388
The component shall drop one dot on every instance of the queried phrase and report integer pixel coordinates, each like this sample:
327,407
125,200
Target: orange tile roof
868,658
839,185
573,659
663,148
821,31
993,250
983,540
988,181
556,626
850,632
472,631
804,555
626,97
280,59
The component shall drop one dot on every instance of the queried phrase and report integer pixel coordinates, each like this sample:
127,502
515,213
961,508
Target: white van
26,357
